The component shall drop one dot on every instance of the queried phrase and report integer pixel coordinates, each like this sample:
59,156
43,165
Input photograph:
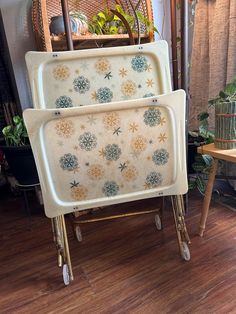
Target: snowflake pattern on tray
139,64
160,157
104,164
81,84
104,94
110,188
152,117
87,141
63,102
104,79
153,179
69,162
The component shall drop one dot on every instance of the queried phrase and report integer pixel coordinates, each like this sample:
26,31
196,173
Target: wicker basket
43,10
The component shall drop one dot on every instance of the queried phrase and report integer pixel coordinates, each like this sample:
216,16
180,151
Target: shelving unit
43,10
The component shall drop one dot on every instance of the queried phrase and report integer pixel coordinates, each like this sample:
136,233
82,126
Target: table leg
207,198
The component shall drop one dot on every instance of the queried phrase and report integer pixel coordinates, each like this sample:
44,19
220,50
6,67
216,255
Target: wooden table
216,153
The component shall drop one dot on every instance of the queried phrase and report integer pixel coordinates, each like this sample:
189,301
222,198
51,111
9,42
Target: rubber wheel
185,253
66,274
158,222
78,234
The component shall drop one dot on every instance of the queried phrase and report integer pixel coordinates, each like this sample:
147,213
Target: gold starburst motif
111,120
162,121
76,147
61,72
146,186
130,173
149,68
94,95
82,127
64,128
102,153
133,127
96,172
148,157
102,66
70,90
91,119
149,82
128,88
162,137
139,144
77,71
123,72
79,193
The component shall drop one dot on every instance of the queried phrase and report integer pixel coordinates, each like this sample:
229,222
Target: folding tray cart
107,133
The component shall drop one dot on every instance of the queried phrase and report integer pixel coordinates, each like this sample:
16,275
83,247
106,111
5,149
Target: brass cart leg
61,241
181,230
207,198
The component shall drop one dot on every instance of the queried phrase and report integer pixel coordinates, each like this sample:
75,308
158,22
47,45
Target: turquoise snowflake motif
81,84
160,156
104,94
148,95
139,64
152,117
69,162
64,102
112,152
110,188
87,141
154,179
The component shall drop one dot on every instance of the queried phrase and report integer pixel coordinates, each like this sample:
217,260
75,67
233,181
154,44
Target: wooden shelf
94,41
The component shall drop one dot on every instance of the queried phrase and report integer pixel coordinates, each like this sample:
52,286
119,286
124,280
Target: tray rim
35,120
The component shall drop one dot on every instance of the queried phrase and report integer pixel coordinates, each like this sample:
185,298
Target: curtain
213,62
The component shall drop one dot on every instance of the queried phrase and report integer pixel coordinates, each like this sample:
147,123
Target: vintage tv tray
109,153
85,77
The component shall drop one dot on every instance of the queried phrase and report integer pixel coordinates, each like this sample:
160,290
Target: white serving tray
109,153
85,77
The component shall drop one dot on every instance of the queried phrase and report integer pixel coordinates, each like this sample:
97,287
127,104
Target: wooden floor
123,266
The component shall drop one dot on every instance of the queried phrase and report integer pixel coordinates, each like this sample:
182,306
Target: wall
16,15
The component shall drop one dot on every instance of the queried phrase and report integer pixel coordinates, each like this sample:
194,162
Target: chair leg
181,230
61,241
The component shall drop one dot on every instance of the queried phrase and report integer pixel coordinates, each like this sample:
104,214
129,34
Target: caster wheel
185,253
66,274
158,222
78,234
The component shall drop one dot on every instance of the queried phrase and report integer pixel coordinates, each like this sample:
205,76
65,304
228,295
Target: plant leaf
222,94
230,88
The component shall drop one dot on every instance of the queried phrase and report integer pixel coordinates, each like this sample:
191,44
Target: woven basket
225,125
43,10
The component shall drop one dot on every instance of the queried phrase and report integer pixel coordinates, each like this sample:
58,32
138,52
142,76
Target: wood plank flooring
122,266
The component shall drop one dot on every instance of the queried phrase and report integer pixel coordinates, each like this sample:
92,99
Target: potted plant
225,117
199,165
18,153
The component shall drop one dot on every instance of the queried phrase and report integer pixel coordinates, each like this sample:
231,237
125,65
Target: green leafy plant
16,134
226,95
202,163
108,23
